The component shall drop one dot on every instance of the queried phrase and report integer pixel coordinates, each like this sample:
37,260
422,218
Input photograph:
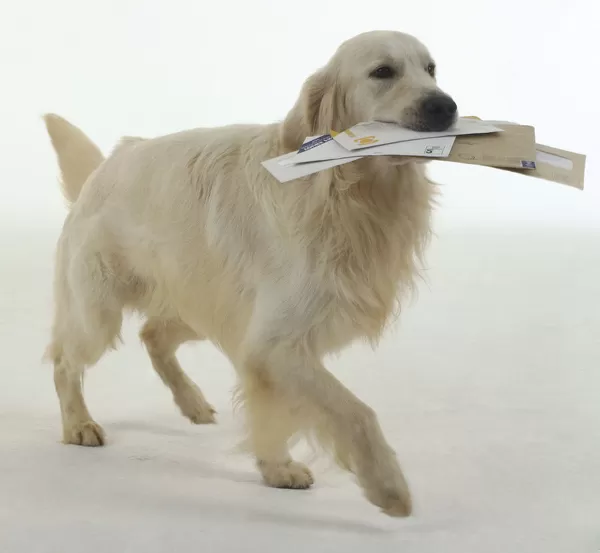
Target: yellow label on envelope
366,140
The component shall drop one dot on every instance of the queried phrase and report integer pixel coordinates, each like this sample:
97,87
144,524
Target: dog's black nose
438,112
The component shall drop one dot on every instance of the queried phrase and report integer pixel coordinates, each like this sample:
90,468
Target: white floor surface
489,390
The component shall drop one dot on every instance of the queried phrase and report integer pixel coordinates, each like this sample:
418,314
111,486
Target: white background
488,389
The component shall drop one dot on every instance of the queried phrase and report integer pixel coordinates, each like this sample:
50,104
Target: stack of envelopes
498,144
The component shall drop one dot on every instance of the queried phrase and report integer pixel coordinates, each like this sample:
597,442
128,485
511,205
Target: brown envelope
512,148
551,164
557,165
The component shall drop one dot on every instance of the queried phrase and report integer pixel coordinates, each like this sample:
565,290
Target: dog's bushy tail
77,155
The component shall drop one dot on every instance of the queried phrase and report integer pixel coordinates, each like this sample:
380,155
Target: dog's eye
383,72
431,69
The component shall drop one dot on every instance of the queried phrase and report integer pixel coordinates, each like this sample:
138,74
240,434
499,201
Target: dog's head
376,76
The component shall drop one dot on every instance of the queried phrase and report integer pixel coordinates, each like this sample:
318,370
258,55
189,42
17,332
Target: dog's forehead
380,45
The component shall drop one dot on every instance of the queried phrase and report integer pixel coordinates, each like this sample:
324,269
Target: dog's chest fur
327,258
363,247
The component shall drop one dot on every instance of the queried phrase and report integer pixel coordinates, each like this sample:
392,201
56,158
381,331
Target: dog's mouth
422,126
419,125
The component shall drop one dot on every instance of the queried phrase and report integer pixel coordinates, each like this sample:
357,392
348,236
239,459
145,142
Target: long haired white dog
191,231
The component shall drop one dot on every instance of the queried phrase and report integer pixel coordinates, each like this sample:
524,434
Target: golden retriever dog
190,231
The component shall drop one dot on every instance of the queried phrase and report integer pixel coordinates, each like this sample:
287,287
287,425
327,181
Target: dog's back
168,217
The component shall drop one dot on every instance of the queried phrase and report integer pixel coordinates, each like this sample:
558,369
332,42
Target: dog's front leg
301,392
271,423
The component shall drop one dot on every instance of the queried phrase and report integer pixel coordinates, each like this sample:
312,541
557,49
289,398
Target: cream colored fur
190,230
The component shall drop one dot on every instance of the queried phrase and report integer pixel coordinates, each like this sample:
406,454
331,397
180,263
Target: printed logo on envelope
315,142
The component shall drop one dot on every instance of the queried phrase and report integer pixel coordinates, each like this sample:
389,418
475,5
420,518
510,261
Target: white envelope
366,135
298,170
284,168
325,148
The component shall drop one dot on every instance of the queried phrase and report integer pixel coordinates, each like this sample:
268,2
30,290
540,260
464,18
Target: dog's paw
393,502
289,475
391,494
86,433
196,408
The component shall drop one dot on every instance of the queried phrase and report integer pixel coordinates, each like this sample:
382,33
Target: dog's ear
315,113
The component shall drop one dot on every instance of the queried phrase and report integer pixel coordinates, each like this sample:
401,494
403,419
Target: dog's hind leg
162,337
87,322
